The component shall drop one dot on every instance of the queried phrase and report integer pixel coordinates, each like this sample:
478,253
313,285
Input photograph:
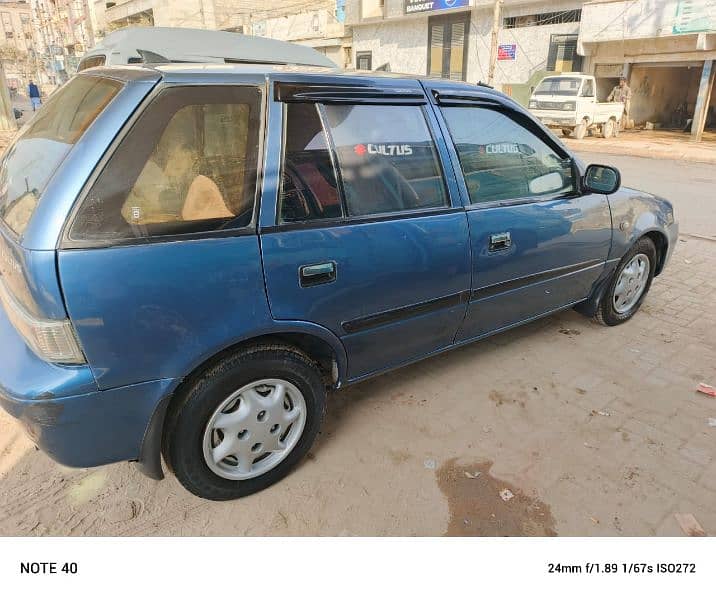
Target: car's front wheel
245,423
629,284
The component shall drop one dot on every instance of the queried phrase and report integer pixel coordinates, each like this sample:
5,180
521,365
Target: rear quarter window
187,165
30,162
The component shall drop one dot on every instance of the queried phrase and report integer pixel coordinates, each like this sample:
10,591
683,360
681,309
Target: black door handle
317,274
500,241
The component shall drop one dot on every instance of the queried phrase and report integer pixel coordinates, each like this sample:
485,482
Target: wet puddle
477,507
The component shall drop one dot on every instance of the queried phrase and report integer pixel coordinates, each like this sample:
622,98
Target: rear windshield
558,86
28,165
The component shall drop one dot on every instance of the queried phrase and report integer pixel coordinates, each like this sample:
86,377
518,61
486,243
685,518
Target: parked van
191,256
137,45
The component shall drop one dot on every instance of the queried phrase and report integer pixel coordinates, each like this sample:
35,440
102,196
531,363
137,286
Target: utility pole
496,12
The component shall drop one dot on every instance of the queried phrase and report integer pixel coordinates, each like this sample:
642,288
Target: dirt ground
592,430
561,427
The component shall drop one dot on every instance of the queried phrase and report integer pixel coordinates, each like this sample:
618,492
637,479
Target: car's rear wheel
629,284
245,423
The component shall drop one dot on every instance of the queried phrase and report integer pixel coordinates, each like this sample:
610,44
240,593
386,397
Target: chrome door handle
500,241
324,272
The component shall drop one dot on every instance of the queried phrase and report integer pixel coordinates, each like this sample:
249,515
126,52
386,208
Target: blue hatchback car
192,255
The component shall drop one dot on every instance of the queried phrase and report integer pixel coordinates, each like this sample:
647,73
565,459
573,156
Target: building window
364,61
447,46
563,55
550,18
372,9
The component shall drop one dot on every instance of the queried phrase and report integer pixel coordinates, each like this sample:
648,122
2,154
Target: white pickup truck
569,102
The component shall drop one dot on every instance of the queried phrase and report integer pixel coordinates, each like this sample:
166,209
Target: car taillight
52,340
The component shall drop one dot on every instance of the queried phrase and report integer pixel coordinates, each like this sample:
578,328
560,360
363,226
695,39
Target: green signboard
694,16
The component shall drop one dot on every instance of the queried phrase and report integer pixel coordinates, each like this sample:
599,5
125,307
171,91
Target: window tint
308,181
31,160
187,165
91,61
501,160
386,157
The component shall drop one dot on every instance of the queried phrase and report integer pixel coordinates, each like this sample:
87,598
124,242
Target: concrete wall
531,55
630,19
403,44
402,41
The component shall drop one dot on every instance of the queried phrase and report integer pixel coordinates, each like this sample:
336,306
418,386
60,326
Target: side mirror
601,179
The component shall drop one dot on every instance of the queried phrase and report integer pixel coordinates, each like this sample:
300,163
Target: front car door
361,232
538,242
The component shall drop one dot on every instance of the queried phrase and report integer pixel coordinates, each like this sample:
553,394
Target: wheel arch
589,306
318,344
661,243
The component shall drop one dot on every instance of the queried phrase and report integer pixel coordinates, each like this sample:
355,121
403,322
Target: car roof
187,71
202,45
326,82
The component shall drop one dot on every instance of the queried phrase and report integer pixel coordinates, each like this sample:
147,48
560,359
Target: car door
538,242
360,230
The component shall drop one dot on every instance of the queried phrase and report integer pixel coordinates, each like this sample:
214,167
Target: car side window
387,158
187,165
588,89
502,160
308,181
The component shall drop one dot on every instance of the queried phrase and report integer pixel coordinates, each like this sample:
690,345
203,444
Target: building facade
667,49
316,23
452,38
64,32
18,48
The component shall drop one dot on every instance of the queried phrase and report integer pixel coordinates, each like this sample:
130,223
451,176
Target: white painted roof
179,44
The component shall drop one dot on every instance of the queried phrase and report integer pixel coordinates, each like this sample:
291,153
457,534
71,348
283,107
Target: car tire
581,130
608,129
566,132
629,284
194,430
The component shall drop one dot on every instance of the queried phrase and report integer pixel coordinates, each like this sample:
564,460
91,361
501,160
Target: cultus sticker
384,149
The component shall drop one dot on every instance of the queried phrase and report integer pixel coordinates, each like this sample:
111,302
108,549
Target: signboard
416,6
693,16
609,70
506,51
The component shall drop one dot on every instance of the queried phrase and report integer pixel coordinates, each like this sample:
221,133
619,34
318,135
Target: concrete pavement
651,144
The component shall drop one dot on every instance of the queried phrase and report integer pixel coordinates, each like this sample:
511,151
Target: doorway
447,46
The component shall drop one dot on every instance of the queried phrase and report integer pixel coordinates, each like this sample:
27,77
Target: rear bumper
90,429
65,414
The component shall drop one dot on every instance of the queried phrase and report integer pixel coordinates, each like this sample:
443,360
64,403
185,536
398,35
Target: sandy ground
561,427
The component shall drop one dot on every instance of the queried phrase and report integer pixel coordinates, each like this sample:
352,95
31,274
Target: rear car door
538,242
360,230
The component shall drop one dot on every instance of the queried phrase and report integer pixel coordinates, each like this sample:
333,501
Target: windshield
558,86
29,163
